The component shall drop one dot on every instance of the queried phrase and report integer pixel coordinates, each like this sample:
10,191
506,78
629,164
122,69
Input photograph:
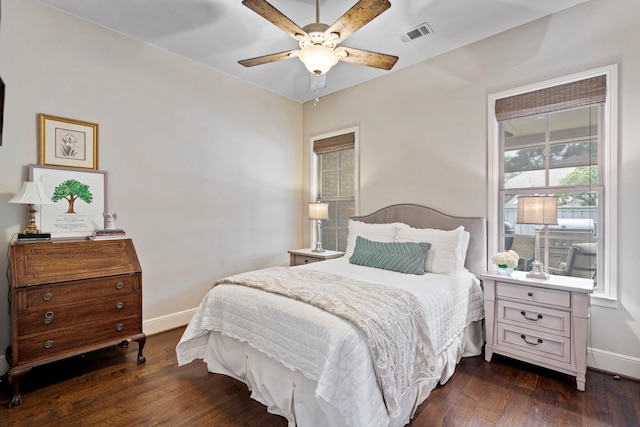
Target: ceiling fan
319,50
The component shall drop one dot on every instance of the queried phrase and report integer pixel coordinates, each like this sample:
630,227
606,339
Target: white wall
423,134
203,169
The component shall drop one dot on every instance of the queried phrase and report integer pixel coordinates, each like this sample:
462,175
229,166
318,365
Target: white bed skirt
290,394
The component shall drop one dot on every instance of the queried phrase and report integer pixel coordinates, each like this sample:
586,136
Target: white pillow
448,248
375,232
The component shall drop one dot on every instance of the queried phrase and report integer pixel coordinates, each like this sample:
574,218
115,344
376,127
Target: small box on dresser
69,298
543,322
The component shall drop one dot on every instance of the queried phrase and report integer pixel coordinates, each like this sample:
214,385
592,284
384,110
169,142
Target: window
558,138
334,181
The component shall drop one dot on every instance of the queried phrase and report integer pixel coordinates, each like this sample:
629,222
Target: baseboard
4,366
620,364
165,323
150,327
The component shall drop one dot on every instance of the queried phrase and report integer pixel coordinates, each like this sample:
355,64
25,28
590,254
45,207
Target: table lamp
539,211
31,194
317,212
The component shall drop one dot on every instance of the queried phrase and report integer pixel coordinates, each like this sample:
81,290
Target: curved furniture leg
141,342
14,381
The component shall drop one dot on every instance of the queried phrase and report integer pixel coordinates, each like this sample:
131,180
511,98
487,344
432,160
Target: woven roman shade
344,141
570,95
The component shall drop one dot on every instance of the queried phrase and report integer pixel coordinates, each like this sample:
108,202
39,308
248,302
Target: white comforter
326,348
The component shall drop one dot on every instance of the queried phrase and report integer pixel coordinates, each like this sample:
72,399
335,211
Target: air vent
416,32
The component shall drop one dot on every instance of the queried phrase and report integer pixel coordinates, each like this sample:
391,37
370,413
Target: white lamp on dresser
539,211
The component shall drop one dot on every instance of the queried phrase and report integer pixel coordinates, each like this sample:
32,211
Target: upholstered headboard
423,217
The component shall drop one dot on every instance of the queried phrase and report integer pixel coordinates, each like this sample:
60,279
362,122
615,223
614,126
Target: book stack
116,233
33,237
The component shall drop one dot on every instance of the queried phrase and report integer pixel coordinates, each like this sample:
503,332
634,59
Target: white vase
505,271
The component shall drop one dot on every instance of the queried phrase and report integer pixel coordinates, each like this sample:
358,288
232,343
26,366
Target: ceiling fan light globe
318,59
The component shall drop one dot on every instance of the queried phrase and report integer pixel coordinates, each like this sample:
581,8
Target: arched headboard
423,217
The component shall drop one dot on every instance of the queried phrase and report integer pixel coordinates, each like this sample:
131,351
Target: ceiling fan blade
357,17
268,58
273,15
365,57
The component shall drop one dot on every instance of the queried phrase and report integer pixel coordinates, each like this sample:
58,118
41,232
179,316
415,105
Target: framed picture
68,143
79,200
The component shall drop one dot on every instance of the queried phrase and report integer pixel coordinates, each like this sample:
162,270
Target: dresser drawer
535,342
61,340
533,294
534,317
46,319
77,292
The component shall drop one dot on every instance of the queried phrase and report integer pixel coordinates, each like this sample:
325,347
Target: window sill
601,300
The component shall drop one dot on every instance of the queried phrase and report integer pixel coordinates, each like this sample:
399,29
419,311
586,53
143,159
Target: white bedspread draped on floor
327,358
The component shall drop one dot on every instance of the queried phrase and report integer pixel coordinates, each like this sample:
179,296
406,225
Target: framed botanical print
79,200
68,143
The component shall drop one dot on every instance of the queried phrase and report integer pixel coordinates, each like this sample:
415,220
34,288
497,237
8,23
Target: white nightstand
306,256
544,322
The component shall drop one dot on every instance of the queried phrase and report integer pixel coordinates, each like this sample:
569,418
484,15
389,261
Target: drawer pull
524,314
48,344
48,317
530,294
119,327
119,305
119,285
47,296
524,338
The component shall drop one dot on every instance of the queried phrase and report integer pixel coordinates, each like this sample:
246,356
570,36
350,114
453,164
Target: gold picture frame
68,143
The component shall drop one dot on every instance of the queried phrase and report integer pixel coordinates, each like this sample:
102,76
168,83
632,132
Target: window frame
314,179
606,295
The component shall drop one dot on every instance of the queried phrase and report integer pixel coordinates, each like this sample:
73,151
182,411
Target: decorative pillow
448,249
377,232
408,257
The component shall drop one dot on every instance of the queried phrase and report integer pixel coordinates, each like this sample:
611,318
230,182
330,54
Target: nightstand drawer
533,317
534,294
535,342
301,259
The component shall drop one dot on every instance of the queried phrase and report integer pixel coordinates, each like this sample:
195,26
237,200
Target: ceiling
219,33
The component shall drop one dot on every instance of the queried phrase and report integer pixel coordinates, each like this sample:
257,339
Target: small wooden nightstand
306,256
543,322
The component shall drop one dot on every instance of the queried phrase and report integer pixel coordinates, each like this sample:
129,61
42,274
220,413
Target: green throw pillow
405,257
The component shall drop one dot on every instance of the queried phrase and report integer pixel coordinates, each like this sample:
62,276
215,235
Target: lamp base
31,228
537,271
318,247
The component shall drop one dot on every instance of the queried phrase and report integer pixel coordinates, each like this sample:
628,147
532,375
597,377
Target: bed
354,341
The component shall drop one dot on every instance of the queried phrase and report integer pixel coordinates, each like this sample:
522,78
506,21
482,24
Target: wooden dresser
69,298
543,322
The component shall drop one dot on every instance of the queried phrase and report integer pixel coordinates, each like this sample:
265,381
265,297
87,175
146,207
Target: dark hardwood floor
108,388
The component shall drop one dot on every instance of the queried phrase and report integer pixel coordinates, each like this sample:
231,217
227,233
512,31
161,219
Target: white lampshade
31,193
318,210
537,210
318,59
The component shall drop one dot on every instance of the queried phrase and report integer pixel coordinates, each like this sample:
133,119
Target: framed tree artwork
79,200
68,143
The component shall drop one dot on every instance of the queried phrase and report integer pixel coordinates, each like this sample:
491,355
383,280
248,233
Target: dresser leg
141,342
14,381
